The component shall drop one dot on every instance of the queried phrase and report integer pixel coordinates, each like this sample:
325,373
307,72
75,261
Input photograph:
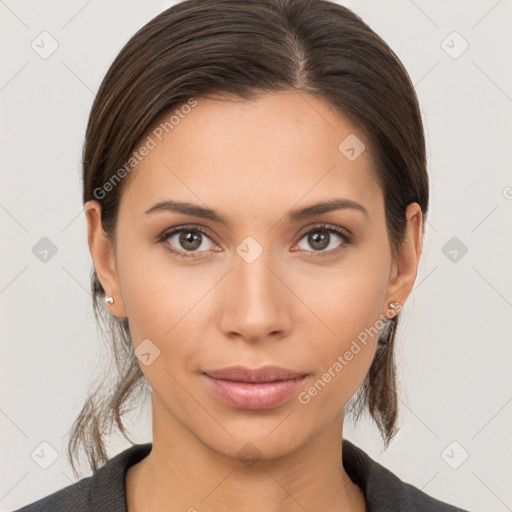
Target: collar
383,490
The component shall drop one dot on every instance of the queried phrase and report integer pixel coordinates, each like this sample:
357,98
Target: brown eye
187,241
319,240
325,240
190,240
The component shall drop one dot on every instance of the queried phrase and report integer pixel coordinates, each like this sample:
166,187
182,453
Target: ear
405,265
102,253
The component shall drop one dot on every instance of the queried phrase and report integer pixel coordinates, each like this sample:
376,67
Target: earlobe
405,266
100,247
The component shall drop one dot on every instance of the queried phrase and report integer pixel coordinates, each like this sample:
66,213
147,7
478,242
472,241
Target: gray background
454,345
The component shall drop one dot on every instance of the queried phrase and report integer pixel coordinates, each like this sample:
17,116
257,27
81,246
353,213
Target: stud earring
384,339
395,307
109,300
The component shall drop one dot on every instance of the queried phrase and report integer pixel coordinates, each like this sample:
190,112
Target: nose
256,303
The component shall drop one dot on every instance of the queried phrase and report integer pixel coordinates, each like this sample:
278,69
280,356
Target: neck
188,475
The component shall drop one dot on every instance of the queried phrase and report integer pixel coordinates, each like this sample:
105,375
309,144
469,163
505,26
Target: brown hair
239,49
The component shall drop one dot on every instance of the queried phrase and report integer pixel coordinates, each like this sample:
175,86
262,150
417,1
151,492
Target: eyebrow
292,216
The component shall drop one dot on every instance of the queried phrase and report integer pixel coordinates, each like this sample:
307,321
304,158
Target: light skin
297,305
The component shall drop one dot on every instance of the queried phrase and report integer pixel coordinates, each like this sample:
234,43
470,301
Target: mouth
261,388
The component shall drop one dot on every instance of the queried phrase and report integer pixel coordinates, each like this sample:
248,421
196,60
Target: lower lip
259,395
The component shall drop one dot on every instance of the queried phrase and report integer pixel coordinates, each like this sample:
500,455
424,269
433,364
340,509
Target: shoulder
105,489
383,490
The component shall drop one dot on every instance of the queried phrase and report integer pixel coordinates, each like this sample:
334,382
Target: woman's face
265,288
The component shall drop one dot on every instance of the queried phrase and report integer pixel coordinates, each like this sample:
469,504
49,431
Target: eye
320,238
186,241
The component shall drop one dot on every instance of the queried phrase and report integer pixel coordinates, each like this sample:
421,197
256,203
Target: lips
261,388
264,374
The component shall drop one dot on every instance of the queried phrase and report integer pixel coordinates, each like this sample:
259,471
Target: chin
250,438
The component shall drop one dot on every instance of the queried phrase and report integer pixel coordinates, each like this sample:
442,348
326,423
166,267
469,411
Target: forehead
282,148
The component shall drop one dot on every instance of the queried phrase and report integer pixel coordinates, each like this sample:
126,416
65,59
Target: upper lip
263,374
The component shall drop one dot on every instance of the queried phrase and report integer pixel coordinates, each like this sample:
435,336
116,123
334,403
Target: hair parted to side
238,49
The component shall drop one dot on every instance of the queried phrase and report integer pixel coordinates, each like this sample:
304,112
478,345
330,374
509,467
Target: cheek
157,292
166,303
349,308
346,298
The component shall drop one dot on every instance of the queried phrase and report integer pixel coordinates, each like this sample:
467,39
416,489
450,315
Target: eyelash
326,228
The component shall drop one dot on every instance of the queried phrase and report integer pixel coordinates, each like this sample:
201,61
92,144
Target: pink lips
261,388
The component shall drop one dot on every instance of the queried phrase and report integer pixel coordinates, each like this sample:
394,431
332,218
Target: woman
255,189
